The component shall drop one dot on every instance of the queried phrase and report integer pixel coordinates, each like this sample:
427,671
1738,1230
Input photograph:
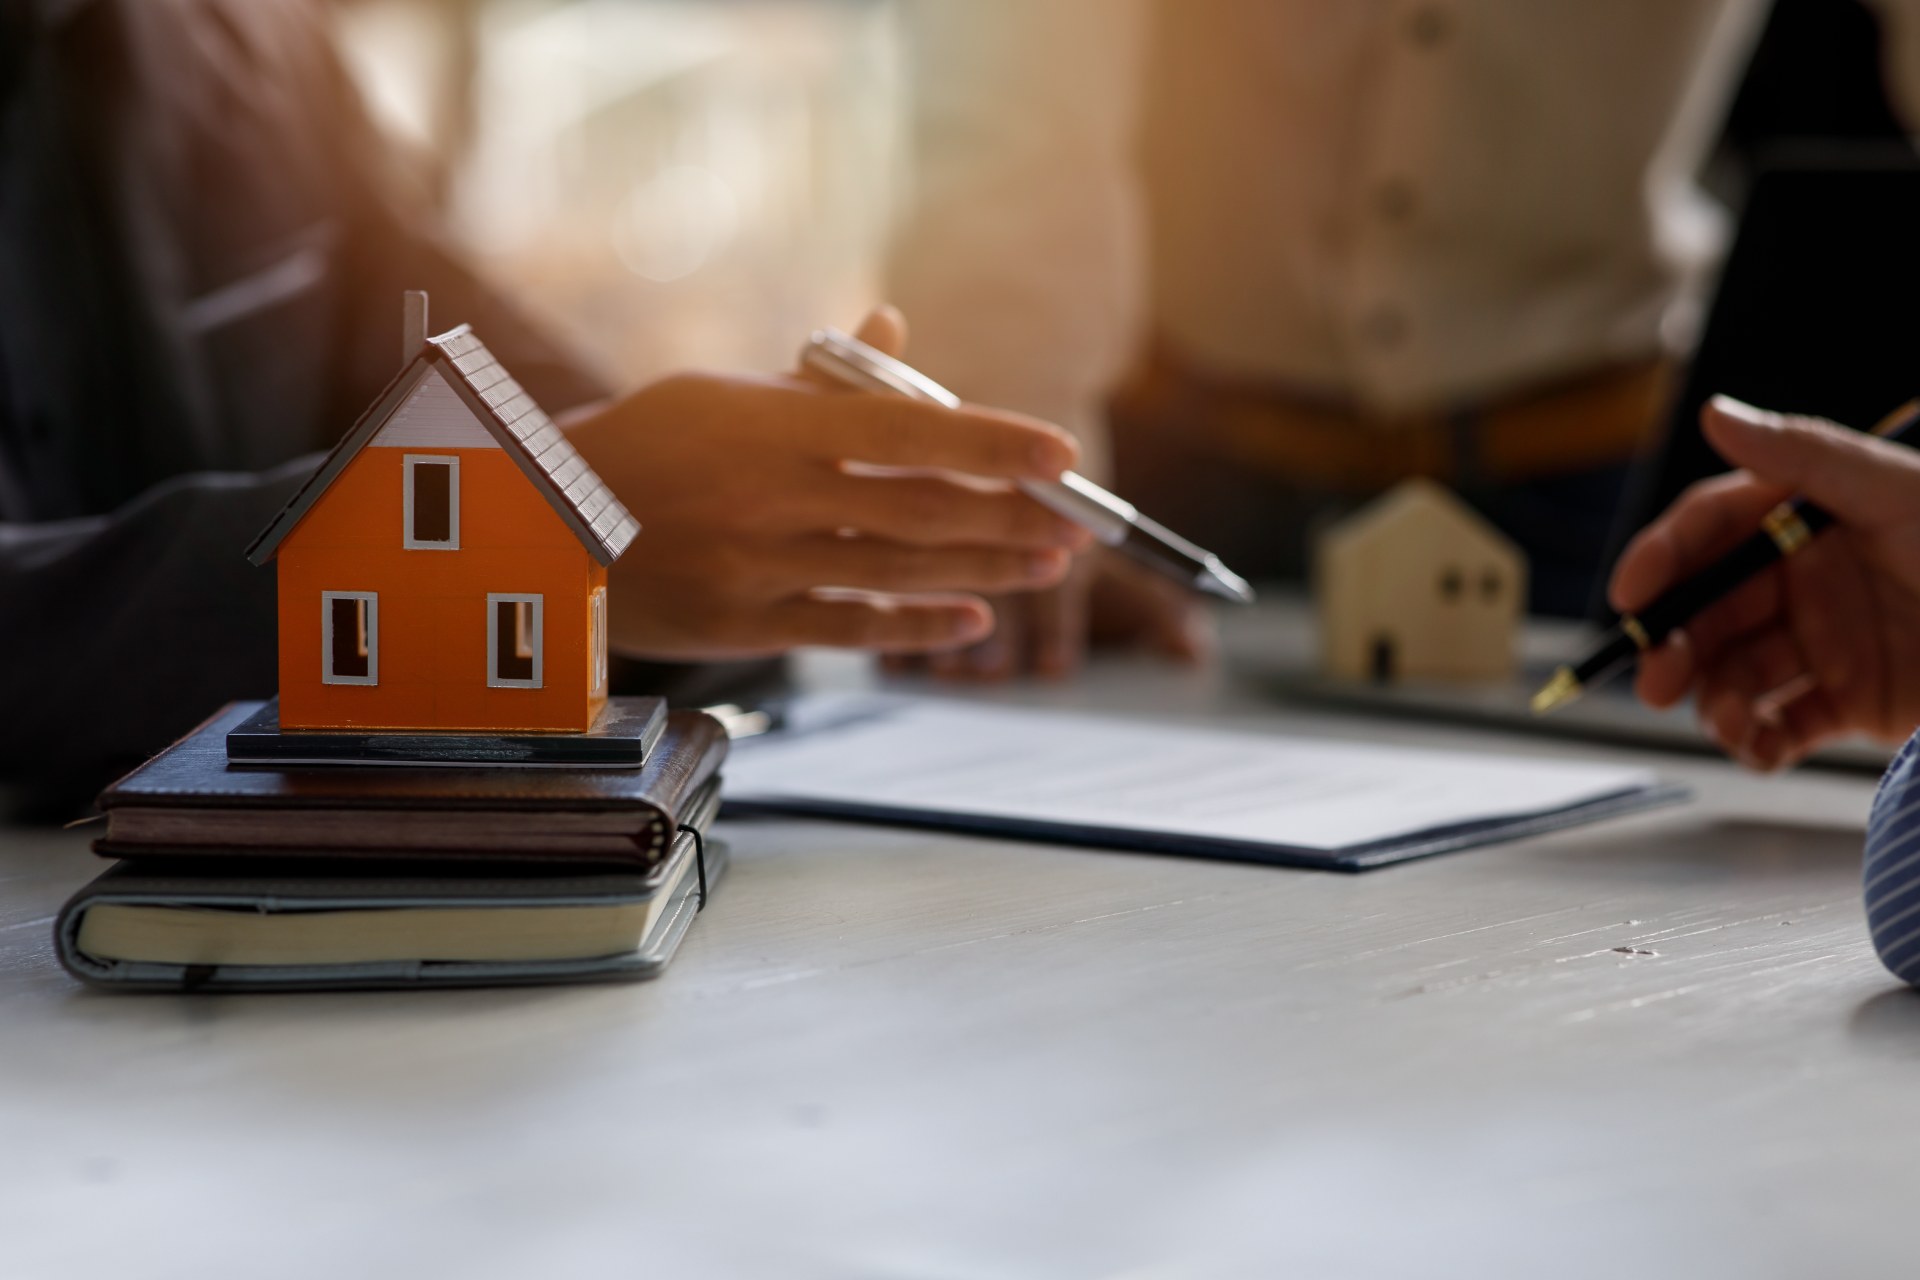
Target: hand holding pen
1112,520
756,539
1824,640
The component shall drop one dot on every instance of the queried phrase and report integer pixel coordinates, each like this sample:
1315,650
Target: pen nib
1557,692
1218,580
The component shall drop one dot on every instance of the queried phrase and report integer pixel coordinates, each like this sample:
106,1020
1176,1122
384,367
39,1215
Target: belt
1570,425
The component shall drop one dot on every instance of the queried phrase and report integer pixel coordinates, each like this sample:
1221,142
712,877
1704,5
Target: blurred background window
670,183
677,183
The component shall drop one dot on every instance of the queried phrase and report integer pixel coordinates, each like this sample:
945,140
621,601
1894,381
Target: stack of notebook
289,876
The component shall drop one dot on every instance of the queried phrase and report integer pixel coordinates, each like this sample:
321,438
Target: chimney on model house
413,325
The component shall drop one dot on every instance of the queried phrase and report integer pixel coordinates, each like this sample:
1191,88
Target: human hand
1106,602
1814,647
757,537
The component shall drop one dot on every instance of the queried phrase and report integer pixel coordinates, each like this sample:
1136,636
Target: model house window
513,641
349,637
597,639
432,503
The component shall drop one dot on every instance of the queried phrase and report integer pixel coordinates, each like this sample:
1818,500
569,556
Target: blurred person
1306,250
203,245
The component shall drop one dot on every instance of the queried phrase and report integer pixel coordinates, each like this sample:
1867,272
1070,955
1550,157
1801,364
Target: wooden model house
1418,586
446,567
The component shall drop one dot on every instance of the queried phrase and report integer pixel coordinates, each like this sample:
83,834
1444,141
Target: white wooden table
1661,1047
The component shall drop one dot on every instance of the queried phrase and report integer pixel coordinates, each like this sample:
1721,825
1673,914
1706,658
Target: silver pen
1114,521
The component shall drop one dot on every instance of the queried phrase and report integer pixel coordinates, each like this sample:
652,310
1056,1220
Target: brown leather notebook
189,802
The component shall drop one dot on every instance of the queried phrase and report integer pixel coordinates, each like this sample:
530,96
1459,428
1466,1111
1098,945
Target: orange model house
446,567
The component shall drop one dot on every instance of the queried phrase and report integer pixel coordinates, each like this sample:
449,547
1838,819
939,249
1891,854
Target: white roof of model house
453,371
1422,506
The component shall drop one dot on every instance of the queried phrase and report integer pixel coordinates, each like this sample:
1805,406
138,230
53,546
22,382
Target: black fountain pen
1114,521
1783,531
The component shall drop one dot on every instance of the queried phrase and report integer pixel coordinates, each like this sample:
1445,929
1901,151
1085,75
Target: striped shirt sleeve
1892,869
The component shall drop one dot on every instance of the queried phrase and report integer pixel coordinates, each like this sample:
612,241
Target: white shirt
1398,204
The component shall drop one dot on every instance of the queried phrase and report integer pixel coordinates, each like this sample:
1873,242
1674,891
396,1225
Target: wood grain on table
1659,1047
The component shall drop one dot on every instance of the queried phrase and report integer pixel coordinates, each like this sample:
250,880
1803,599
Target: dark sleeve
123,630
120,631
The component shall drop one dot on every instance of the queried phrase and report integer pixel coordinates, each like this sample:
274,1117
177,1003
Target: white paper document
1098,780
